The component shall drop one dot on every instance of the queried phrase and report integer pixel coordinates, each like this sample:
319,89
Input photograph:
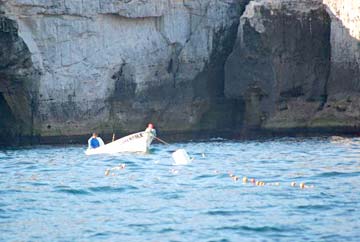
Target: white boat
138,142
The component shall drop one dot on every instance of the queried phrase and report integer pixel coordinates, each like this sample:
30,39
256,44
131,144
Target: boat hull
138,142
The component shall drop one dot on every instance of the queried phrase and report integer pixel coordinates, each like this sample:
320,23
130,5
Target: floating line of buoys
233,177
107,172
255,182
116,168
174,171
274,184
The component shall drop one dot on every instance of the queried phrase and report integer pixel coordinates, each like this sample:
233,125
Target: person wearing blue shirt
95,141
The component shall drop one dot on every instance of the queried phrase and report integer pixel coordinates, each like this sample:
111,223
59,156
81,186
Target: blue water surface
60,194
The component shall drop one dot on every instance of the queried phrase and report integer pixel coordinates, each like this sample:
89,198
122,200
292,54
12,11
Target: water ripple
73,191
340,174
107,189
59,194
253,229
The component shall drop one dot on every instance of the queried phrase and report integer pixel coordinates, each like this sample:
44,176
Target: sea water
60,194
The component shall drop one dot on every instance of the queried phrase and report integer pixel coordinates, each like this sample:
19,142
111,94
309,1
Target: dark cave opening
8,126
18,78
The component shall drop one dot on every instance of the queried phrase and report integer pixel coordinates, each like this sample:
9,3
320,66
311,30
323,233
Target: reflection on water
58,193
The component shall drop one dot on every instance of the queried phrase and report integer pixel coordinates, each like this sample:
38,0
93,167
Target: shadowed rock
18,78
284,67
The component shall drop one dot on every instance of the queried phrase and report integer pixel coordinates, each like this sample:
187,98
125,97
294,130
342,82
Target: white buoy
181,157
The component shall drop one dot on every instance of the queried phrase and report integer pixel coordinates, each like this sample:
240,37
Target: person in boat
95,141
150,129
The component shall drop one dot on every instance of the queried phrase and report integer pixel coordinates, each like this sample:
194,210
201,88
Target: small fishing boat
138,142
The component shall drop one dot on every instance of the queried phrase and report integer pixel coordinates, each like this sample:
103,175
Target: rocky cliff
116,65
295,65
70,67
343,90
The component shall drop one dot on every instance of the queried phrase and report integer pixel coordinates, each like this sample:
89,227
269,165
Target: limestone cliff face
116,65
295,65
343,89
345,42
70,67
